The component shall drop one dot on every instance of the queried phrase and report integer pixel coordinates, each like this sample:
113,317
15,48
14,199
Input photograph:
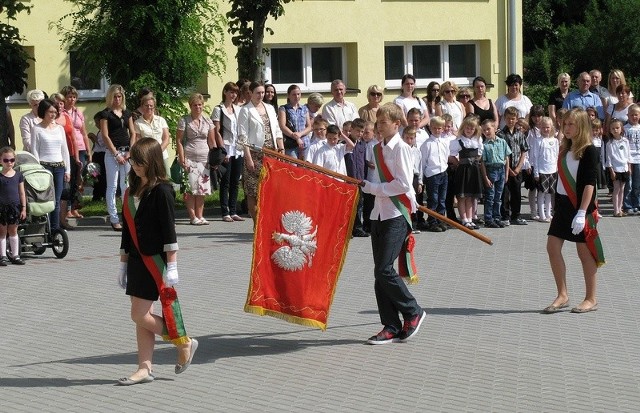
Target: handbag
176,171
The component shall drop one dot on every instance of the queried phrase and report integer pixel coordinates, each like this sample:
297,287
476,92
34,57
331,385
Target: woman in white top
514,97
407,100
150,125
449,104
620,109
257,126
225,119
616,78
34,97
49,146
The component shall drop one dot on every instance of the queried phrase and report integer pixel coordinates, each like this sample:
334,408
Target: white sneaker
196,221
204,221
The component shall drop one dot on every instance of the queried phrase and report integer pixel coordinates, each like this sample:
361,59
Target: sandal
227,218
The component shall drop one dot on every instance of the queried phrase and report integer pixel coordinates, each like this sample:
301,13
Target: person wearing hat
513,97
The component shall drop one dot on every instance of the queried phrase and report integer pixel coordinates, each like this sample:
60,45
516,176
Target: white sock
547,201
3,247
14,242
541,205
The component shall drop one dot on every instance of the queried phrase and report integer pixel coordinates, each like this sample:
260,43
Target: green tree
605,39
14,61
247,25
170,44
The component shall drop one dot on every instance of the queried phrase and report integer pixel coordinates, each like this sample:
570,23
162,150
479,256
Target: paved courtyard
484,346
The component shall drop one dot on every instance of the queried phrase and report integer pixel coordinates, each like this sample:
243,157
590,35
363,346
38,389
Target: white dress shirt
332,157
397,156
435,155
337,114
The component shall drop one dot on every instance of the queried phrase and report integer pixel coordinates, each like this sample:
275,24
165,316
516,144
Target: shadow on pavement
464,311
212,347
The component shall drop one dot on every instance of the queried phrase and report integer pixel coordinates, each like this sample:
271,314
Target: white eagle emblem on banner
300,243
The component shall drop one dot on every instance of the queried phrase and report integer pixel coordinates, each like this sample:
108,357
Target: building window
431,62
312,67
88,86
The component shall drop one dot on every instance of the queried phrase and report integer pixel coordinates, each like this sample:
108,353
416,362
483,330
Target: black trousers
512,198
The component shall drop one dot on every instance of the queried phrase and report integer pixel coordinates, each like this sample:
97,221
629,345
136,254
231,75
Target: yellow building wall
362,25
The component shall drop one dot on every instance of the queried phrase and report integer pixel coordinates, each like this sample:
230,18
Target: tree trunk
4,127
256,49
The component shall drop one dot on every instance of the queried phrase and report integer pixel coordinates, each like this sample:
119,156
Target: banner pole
348,179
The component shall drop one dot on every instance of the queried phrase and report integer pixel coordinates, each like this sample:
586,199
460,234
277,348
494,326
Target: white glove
578,222
170,277
122,275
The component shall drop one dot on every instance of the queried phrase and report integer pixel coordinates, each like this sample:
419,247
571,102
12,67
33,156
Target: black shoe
491,224
434,228
4,261
411,326
518,221
16,261
499,223
383,337
478,221
360,233
443,227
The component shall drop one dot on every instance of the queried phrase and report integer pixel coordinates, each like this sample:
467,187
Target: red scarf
173,329
590,229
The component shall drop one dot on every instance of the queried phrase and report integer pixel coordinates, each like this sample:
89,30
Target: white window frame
306,85
444,61
86,94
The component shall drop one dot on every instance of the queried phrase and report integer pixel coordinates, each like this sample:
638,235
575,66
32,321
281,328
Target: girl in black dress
576,213
148,262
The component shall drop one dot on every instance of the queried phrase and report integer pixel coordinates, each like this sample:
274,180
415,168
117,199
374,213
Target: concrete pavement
484,346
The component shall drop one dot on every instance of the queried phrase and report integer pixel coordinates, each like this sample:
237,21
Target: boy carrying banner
391,231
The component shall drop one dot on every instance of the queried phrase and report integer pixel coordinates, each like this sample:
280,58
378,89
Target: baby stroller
35,233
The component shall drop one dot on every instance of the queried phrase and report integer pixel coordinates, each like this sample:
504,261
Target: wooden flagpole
348,179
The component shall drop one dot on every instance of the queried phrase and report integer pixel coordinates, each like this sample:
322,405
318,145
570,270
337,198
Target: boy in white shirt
632,188
391,231
318,138
409,137
331,155
435,161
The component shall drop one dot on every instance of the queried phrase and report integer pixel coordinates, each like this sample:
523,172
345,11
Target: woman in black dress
575,212
148,262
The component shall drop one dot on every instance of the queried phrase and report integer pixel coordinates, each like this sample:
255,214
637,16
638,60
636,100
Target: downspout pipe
513,36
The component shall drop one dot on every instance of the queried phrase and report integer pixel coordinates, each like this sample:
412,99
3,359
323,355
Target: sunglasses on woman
8,160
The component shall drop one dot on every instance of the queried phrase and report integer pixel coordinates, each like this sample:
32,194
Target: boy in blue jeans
494,168
433,167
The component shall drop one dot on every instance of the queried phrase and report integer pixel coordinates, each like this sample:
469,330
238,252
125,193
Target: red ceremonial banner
303,228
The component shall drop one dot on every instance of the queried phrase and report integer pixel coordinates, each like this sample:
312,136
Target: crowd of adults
249,113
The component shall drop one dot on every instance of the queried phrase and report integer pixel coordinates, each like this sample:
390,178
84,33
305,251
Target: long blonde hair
578,143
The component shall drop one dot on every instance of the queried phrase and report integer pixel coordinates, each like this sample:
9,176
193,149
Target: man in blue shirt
583,98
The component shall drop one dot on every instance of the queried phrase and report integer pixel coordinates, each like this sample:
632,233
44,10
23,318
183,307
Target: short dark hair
334,129
44,106
414,111
358,123
513,78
